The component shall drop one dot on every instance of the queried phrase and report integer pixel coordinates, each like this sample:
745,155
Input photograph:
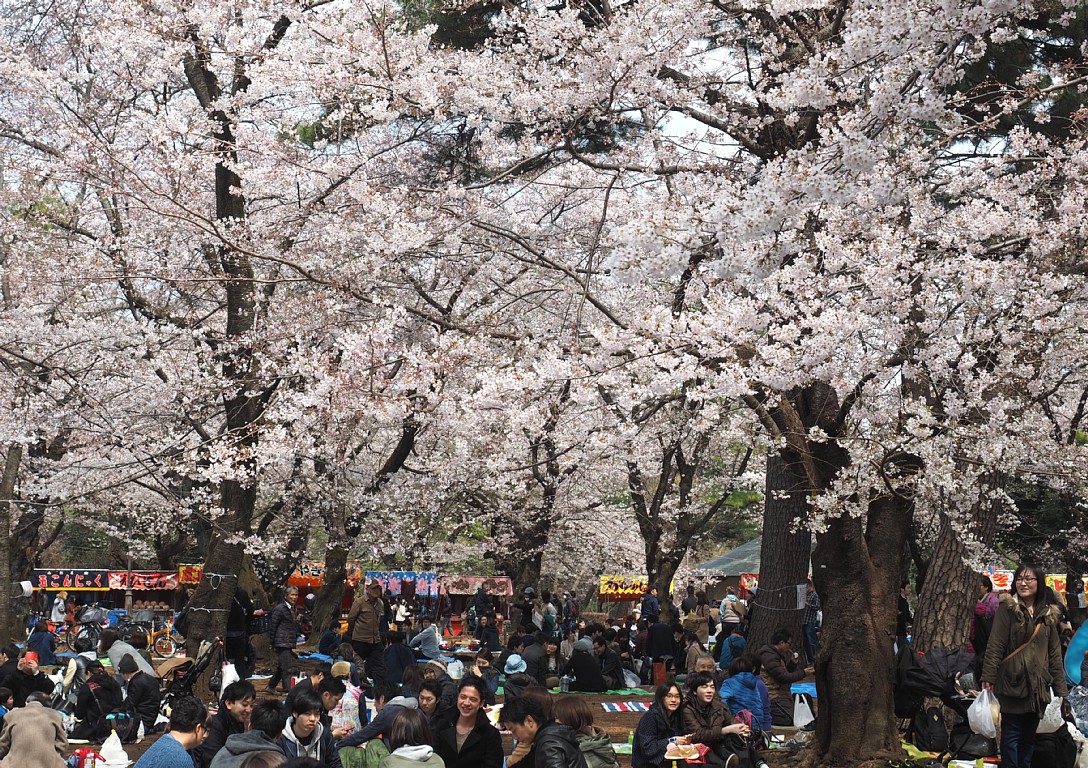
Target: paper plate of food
682,752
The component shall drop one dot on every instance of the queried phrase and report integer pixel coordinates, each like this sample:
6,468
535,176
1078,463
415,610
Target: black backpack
929,731
126,722
1054,750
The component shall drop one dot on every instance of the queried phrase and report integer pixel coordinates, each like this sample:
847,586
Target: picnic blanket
809,688
615,692
625,706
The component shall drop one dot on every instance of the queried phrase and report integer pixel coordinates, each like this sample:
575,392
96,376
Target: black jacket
536,663
143,696
556,746
22,685
489,638
482,749
659,641
283,626
222,726
612,670
100,696
652,738
586,670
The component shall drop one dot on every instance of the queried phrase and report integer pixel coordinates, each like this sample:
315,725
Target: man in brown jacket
780,671
33,736
364,624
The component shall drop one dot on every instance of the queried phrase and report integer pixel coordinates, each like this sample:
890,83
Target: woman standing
660,725
1024,662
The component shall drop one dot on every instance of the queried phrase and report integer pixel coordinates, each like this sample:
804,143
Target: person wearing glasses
661,724
1023,662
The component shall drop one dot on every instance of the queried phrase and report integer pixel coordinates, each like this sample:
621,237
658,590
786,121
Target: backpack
124,721
929,731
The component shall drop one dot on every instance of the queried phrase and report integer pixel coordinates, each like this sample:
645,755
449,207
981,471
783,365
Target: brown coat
779,672
1023,683
33,737
365,620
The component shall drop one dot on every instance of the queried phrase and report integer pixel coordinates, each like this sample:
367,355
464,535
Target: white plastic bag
455,669
1052,718
984,715
802,712
113,754
230,675
631,679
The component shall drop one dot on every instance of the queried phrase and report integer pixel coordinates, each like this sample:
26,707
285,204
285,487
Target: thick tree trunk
331,594
784,554
9,629
947,599
856,572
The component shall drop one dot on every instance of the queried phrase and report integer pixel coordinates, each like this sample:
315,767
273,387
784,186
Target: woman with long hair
709,723
1024,662
594,744
660,725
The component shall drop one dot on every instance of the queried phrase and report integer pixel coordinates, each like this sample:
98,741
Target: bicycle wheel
164,646
89,631
126,631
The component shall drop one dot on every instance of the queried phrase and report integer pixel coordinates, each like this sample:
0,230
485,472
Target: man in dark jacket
536,657
488,634
585,668
398,657
282,635
611,667
100,695
320,671
554,745
27,679
236,640
780,671
387,703
651,606
266,723
142,692
365,620
304,736
232,717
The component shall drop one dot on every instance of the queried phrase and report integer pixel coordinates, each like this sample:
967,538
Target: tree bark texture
9,629
856,572
783,554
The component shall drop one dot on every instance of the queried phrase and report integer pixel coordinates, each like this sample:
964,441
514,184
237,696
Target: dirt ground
618,725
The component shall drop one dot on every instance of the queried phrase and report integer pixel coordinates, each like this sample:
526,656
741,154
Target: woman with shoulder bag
1023,662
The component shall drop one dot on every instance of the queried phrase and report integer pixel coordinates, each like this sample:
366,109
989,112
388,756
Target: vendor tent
742,559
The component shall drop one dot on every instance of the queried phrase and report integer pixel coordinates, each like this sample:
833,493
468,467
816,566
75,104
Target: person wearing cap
343,717
141,692
584,667
435,669
365,629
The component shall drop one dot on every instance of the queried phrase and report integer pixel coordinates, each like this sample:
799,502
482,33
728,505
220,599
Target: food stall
154,591
84,586
460,590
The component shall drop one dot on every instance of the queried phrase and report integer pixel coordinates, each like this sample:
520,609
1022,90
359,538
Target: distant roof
742,559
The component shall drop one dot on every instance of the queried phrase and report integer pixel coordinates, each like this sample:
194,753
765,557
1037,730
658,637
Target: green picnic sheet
618,692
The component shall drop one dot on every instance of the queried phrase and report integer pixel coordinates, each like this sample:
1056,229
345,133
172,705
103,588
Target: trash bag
1078,702
1052,718
984,715
802,712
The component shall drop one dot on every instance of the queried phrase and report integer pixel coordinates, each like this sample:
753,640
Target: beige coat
33,737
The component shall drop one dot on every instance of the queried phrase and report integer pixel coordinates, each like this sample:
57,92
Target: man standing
187,732
810,622
283,634
553,744
689,603
364,624
236,640
651,606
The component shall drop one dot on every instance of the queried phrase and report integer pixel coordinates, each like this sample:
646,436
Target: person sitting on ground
110,644
188,731
7,703
320,671
523,753
744,689
141,692
330,691
731,644
515,646
429,691
596,745
398,657
435,669
41,641
427,641
469,740
303,734
344,714
27,679
584,667
553,745
706,664
780,672
488,634
484,669
33,736
75,674
138,640
266,759
231,718
611,667
536,657
566,647
706,719
517,679
331,638
266,726
99,696
693,651
387,703
411,740
661,725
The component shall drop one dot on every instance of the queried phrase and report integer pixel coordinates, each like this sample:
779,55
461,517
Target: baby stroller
940,673
179,676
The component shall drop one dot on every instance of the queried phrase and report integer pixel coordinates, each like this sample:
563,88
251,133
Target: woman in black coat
658,727
100,696
483,744
585,668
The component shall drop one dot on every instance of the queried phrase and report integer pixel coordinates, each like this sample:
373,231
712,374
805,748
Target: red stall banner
190,574
143,580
